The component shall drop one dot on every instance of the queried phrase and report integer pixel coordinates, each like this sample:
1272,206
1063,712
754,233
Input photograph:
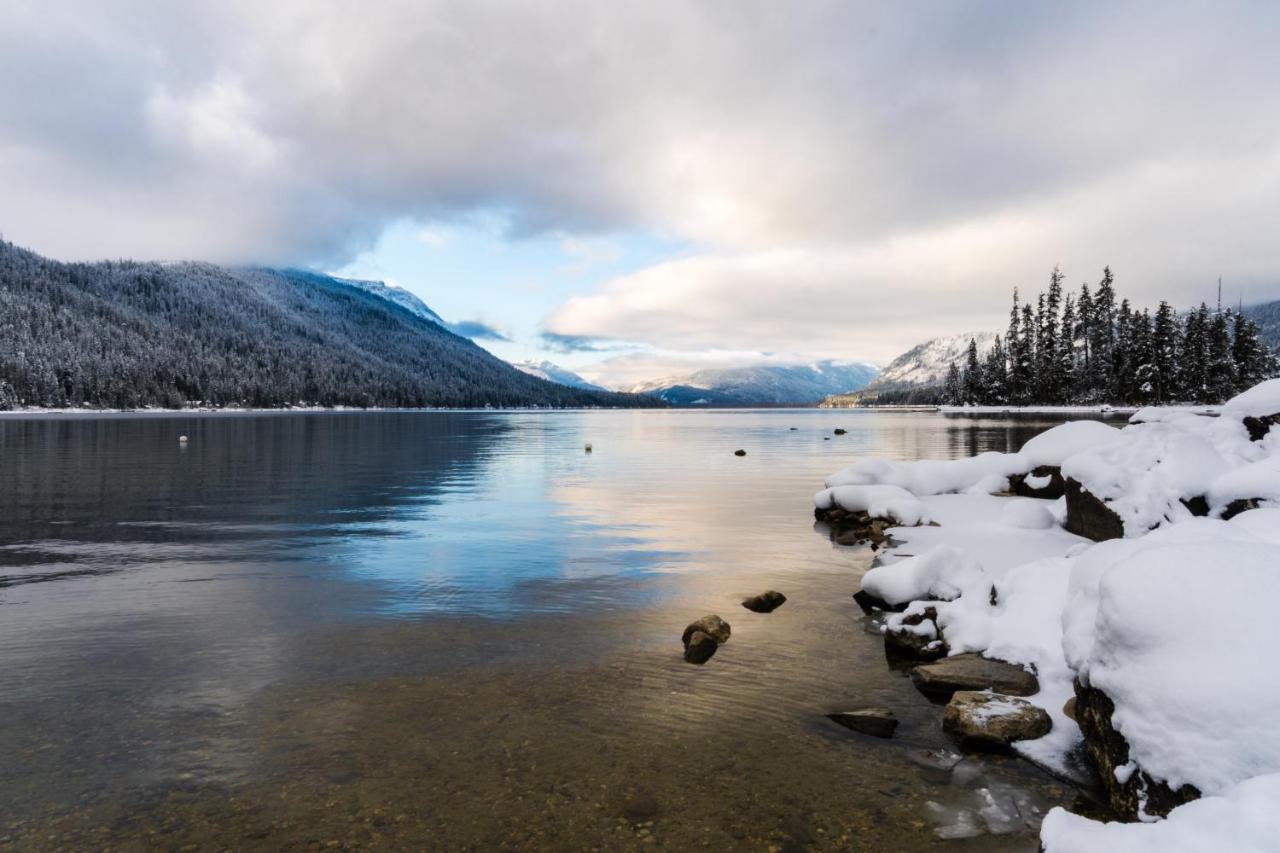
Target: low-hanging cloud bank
846,168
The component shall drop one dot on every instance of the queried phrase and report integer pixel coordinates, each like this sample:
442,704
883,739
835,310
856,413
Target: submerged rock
699,647
839,431
877,722
943,678
713,626
993,720
739,452
1089,516
765,602
1128,788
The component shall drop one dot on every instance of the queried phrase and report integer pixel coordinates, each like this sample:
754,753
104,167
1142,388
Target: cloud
856,175
579,343
477,331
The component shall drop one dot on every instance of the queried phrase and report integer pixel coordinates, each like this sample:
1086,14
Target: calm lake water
458,631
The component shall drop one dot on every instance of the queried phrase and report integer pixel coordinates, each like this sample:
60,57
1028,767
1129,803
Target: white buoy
182,439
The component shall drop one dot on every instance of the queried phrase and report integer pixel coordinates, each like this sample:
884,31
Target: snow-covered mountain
555,373
767,385
395,295
927,363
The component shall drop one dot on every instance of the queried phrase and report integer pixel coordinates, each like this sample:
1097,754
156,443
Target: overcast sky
637,188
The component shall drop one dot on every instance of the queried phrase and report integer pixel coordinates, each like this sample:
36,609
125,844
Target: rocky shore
1078,603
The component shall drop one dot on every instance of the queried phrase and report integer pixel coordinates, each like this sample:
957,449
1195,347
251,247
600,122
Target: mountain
762,385
124,334
397,295
916,376
555,373
1267,316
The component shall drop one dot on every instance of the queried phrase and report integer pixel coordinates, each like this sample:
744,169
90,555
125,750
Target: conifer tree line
1090,348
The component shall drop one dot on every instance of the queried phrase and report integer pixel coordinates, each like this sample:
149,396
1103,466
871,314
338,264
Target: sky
637,189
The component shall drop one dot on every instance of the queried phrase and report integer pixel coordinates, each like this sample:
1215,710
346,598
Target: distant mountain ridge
1267,316
917,375
126,334
555,373
761,385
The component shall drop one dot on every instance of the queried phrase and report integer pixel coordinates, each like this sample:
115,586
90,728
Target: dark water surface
456,631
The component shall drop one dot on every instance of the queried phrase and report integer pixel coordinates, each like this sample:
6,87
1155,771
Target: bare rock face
877,722
699,648
1033,485
992,720
942,679
1109,752
1089,516
765,602
713,626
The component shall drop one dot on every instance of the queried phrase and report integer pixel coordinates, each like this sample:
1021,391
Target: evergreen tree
951,388
1122,387
1220,373
1026,355
1164,353
1067,354
1253,362
1193,357
972,374
995,376
1141,357
1016,379
1084,334
1102,331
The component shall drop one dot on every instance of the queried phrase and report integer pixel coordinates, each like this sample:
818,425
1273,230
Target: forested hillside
1094,347
124,334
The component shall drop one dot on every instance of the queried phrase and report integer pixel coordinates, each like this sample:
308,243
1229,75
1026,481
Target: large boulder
1089,516
992,720
713,626
877,722
765,602
941,679
1128,788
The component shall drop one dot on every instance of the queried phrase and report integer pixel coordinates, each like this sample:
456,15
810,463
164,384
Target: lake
459,630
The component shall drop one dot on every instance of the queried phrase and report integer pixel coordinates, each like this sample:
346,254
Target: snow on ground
1173,622
1242,820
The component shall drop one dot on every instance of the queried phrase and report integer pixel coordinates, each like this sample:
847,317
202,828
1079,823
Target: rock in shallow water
739,453
765,602
699,647
713,626
877,722
993,720
972,672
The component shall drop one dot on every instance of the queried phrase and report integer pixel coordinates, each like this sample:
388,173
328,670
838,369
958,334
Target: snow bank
1259,401
876,501
1172,623
1242,820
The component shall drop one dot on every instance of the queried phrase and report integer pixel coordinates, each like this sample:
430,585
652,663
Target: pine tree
951,388
1122,385
995,377
1193,357
1015,378
972,374
1220,374
1067,352
1253,362
1026,356
1084,333
1141,356
1102,337
1164,353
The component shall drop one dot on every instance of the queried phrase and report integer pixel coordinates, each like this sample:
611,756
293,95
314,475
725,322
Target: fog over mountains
767,385
127,334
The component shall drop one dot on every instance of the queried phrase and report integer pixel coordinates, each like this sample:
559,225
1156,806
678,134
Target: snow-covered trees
1089,349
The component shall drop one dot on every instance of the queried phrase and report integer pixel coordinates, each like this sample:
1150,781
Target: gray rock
713,626
1108,751
921,645
765,602
1089,516
877,722
972,672
699,647
869,602
1054,489
993,720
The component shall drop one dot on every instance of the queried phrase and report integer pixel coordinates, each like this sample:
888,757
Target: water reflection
161,605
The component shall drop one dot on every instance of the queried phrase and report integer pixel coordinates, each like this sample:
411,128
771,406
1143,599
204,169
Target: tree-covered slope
127,334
